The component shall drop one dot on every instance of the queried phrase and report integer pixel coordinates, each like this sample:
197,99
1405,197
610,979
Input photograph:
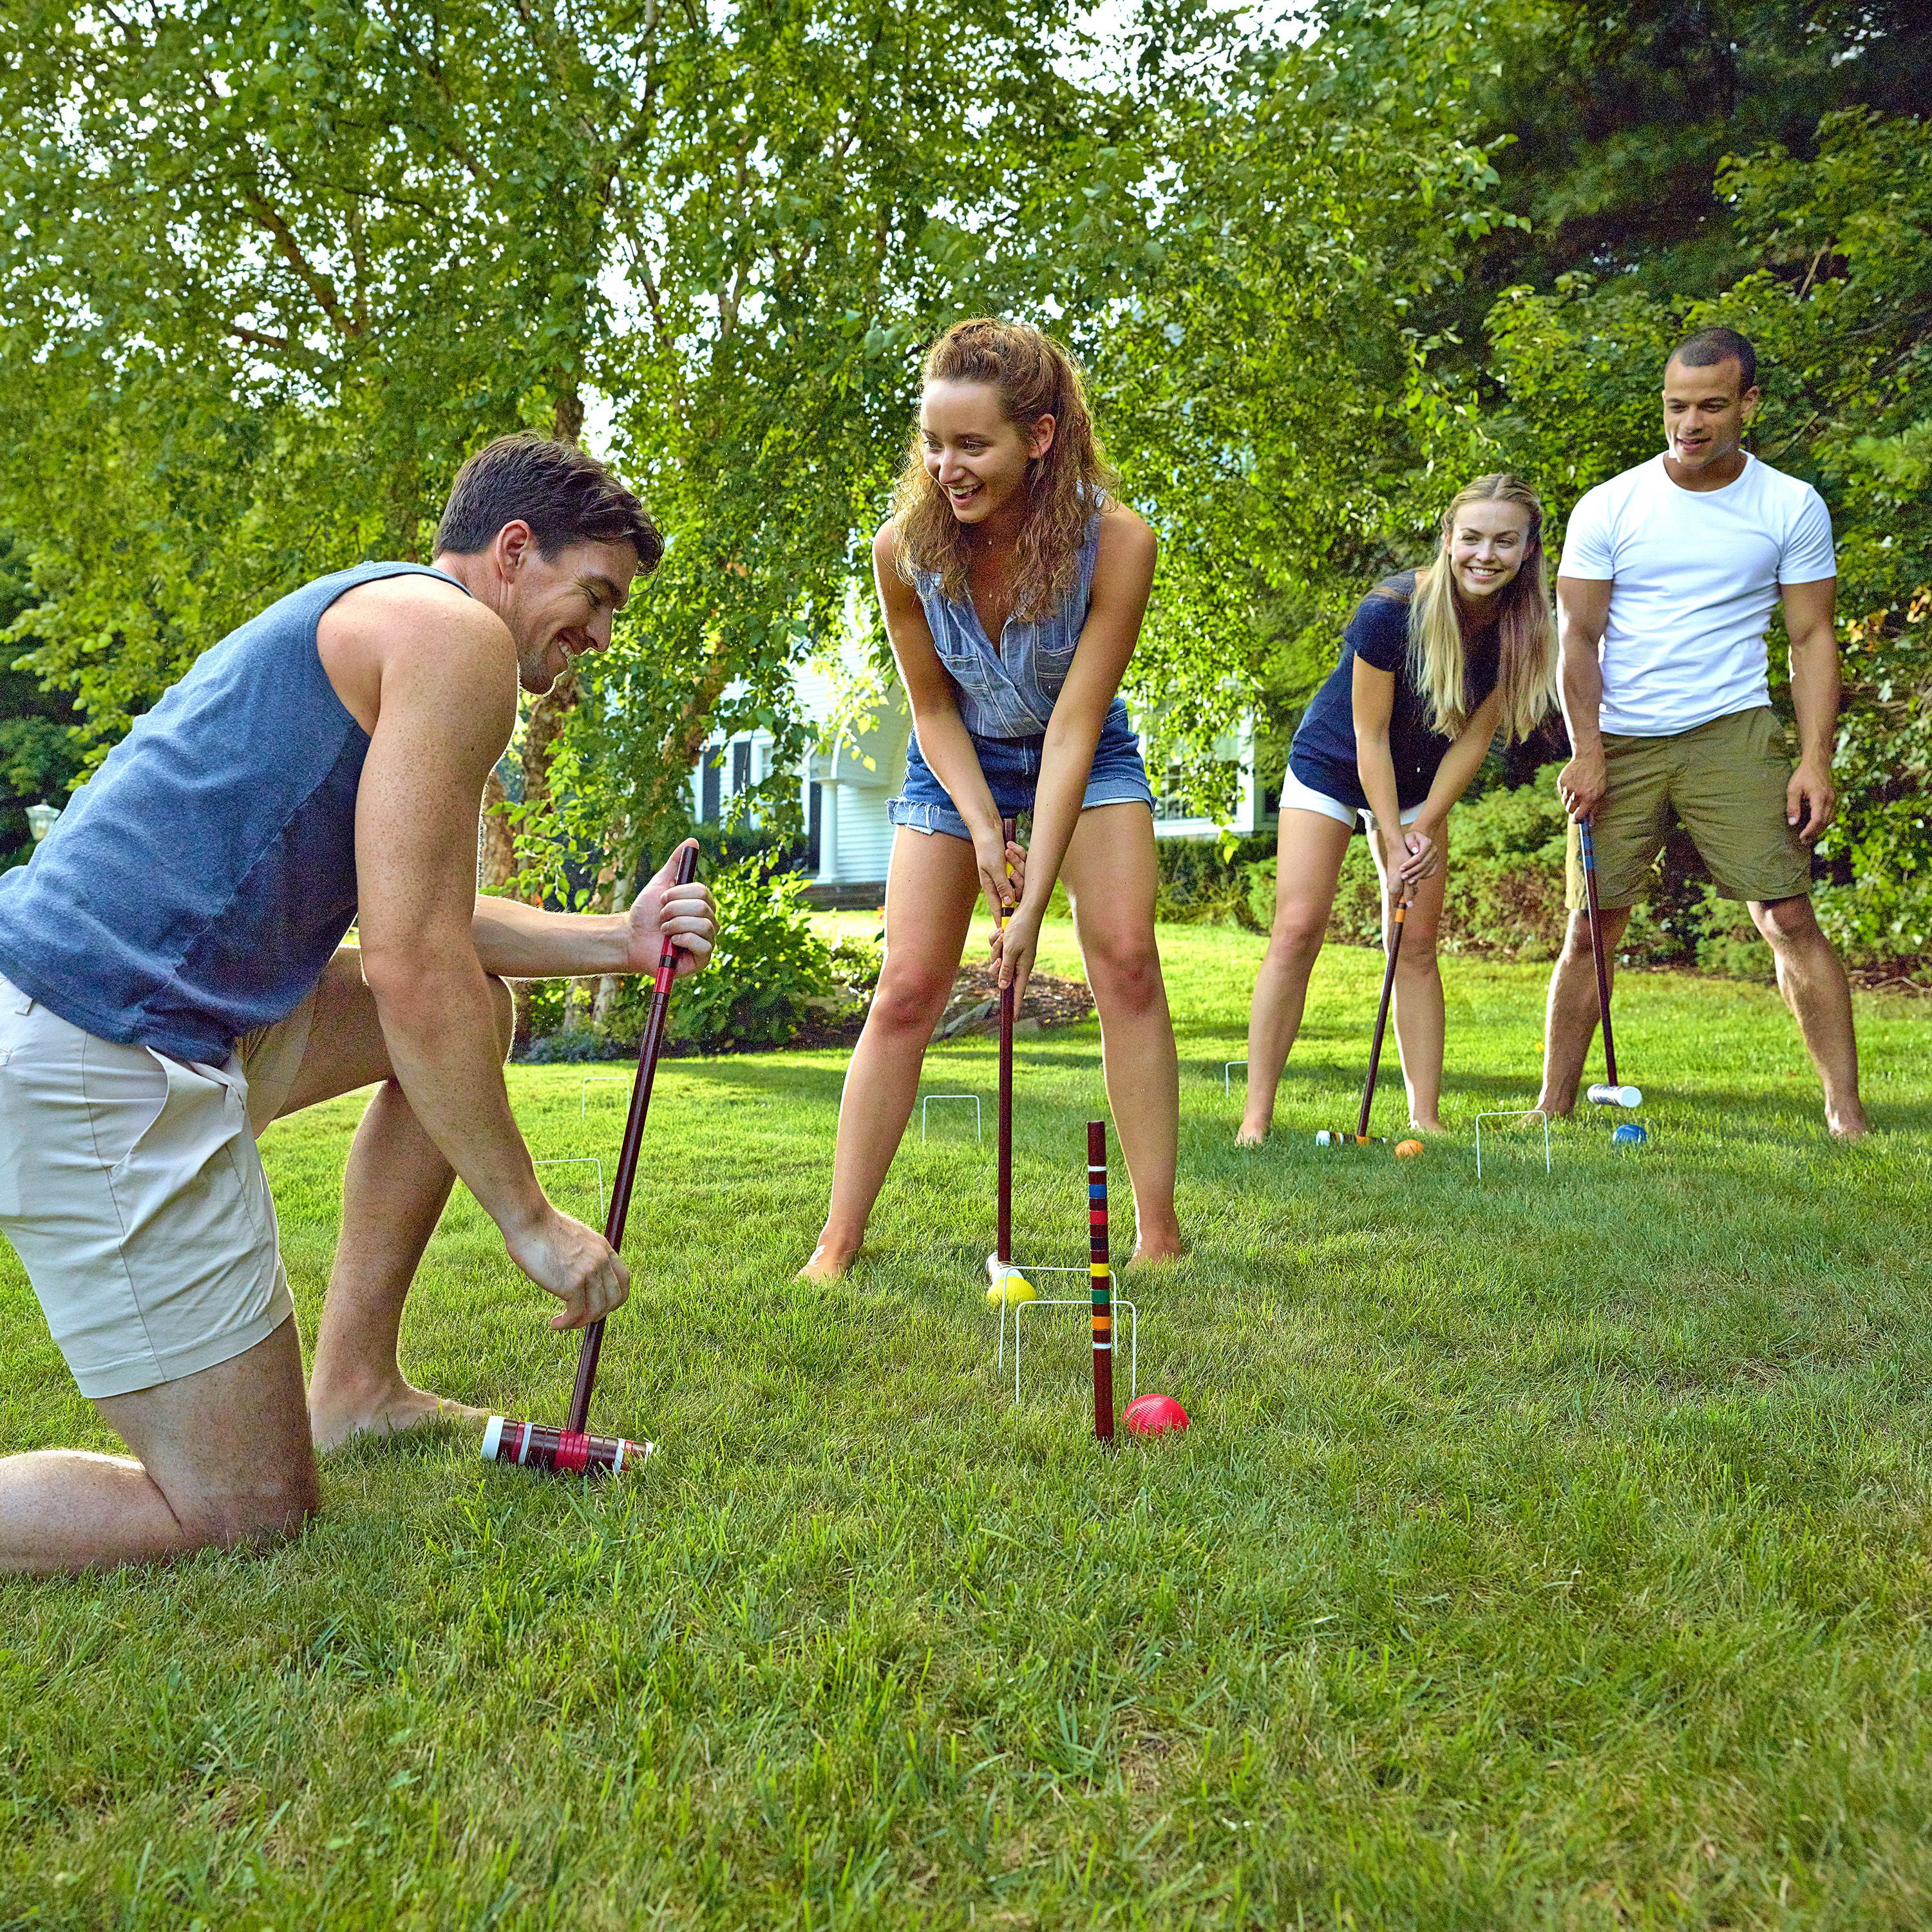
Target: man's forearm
440,1024
1816,689
1581,689
515,941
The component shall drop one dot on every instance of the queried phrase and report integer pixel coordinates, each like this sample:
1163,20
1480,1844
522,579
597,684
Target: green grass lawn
1550,1551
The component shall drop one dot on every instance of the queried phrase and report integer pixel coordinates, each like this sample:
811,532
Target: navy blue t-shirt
1323,754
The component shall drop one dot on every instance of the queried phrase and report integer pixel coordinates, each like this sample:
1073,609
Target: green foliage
38,759
768,962
1205,881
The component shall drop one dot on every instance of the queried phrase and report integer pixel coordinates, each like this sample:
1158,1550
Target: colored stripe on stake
1103,1281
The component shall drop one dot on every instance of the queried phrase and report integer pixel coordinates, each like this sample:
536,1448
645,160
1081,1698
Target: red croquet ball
1155,1415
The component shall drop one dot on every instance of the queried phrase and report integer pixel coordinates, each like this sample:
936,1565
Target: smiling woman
1013,585
1434,663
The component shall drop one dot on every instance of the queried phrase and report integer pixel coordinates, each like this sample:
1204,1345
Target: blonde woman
1013,585
1434,663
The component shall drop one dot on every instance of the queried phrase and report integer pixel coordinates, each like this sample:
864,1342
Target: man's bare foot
334,1418
827,1264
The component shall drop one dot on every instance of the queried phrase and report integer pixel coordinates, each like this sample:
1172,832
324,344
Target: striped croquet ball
1154,1415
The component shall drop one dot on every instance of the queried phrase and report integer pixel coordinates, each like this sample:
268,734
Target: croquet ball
1011,1290
1629,1134
1407,1150
1154,1415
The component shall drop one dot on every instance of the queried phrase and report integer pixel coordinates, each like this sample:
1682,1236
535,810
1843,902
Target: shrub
1204,879
571,1044
768,963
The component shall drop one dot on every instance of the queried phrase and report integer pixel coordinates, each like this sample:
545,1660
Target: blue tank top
202,879
1008,693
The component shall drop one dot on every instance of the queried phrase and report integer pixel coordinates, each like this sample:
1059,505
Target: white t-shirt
1694,577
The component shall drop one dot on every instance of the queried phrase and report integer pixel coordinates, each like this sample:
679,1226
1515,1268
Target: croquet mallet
1610,1093
1360,1137
571,1450
999,1268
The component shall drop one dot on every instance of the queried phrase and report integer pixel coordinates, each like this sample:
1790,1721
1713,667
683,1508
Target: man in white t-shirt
1669,576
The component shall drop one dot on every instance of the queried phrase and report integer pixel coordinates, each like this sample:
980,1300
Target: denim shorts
1012,769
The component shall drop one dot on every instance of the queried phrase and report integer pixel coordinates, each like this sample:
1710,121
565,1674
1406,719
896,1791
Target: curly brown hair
1033,376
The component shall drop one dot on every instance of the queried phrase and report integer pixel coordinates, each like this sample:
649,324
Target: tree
268,273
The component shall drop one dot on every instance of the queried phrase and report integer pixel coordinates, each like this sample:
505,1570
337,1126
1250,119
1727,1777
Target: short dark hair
564,495
1710,347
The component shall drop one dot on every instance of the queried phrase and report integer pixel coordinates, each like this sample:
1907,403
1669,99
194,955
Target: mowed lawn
1551,1551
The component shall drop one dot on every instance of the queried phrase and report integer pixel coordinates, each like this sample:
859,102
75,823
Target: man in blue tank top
172,979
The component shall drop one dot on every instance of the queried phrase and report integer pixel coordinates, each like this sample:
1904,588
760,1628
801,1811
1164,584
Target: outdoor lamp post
40,819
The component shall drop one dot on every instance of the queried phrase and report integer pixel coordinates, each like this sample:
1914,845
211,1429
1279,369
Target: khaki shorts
1725,783
131,1189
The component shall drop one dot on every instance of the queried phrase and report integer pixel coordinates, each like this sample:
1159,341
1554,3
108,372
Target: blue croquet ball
1629,1134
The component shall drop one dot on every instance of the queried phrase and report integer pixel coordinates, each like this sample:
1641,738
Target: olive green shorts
1724,782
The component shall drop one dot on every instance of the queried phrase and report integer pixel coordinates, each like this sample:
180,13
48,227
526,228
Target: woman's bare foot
1846,1126
1431,1125
1249,1134
1157,1250
827,1264
334,1416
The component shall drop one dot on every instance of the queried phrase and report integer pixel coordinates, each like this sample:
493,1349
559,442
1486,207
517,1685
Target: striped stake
1103,1282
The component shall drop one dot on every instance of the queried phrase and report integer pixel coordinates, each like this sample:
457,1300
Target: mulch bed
974,1008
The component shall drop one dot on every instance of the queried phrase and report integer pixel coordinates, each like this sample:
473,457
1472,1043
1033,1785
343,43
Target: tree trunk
496,843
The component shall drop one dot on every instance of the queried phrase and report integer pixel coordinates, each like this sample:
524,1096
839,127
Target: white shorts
1296,796
131,1189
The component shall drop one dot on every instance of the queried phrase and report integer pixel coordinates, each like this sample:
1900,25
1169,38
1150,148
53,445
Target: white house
858,763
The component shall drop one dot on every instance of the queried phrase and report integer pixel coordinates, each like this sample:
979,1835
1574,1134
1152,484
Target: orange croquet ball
1407,1150
1154,1415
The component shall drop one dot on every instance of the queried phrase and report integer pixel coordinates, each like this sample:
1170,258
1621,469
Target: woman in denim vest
1013,586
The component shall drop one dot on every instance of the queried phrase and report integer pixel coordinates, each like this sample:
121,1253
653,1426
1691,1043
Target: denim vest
1008,693
201,880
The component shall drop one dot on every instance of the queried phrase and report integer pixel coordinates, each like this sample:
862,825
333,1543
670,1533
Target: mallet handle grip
1588,849
648,1049
1002,1245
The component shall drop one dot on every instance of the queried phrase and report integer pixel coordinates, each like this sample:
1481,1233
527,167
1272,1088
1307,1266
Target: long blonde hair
1033,376
1525,636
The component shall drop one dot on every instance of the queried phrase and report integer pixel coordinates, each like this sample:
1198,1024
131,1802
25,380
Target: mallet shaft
1589,857
648,1049
1002,1245
1400,918
1102,1272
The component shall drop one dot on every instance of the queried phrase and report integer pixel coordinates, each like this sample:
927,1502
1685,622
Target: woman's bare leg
932,887
1110,876
1420,1023
1310,849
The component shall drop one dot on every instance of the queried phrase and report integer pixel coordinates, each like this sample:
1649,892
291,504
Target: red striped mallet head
560,1452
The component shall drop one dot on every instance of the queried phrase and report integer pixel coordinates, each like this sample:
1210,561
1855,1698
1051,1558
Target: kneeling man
1669,576
172,979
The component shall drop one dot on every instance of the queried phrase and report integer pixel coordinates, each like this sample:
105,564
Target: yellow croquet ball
1407,1150
1011,1290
